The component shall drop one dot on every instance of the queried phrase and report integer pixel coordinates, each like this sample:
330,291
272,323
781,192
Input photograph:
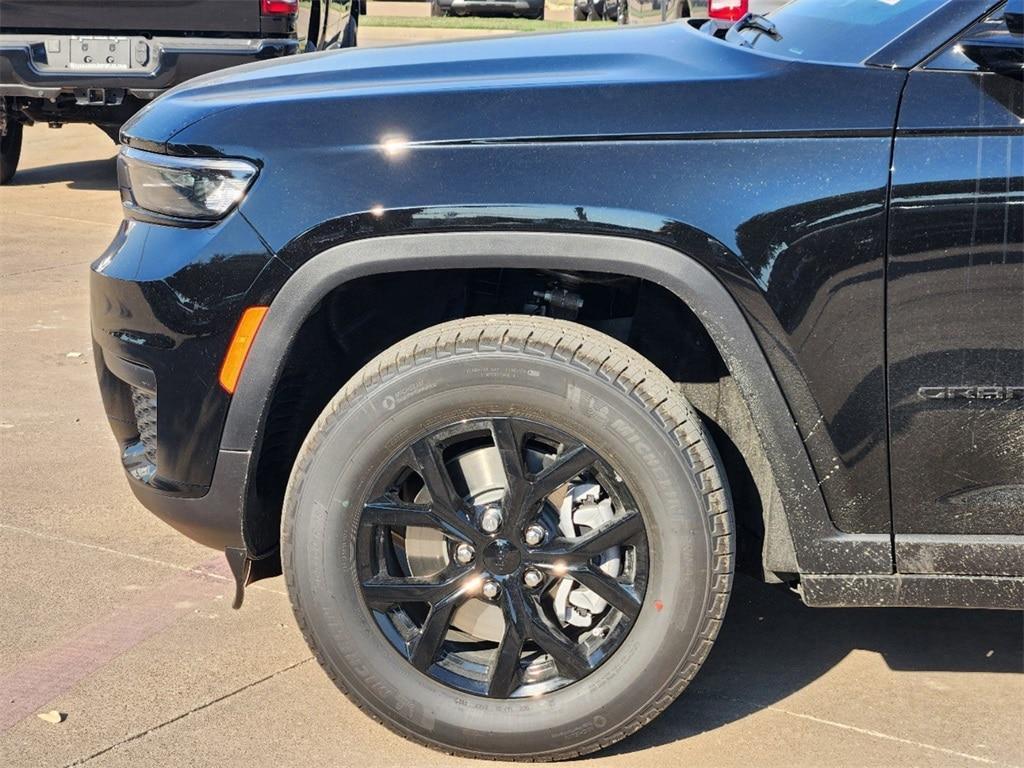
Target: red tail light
728,10
279,7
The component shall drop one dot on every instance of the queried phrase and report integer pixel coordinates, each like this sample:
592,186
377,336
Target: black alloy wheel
566,600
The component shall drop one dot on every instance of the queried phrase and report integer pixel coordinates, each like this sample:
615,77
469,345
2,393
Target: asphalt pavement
113,619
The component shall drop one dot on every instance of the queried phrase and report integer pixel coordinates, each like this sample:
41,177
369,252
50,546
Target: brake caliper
582,510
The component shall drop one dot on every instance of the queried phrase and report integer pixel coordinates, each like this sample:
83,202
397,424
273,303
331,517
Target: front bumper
39,66
164,304
213,519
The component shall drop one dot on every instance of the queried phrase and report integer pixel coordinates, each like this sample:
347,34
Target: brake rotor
426,549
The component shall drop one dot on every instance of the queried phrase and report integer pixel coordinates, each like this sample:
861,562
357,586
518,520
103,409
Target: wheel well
361,318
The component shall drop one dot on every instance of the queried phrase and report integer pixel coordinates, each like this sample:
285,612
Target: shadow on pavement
84,174
772,645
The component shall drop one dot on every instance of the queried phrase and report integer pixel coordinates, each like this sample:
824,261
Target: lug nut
491,589
532,577
490,520
600,631
464,553
534,534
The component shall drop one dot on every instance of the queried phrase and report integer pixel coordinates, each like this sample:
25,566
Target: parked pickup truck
64,61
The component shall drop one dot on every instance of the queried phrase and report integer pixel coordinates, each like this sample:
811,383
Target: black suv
81,61
511,351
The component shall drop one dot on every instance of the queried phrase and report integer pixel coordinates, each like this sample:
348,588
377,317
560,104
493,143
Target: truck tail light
279,7
728,10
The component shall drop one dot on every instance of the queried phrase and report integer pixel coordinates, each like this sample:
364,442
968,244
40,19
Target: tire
578,14
559,376
113,132
350,37
435,10
10,151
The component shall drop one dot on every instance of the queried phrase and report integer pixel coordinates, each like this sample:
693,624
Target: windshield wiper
759,23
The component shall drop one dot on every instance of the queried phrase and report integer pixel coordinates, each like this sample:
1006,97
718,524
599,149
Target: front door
956,309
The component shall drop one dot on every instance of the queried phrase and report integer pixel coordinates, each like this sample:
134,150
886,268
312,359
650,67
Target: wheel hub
502,557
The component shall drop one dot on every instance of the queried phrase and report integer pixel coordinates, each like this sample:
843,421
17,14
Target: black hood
671,79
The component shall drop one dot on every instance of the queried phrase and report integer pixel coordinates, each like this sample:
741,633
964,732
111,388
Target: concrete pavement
109,616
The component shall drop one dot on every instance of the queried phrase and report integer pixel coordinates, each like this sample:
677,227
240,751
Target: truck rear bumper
484,7
39,66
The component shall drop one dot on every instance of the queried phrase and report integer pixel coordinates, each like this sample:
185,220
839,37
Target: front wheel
509,537
10,150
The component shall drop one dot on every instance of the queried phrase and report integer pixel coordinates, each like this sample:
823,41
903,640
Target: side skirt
992,555
912,591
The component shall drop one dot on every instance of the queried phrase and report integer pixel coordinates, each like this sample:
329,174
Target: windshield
837,31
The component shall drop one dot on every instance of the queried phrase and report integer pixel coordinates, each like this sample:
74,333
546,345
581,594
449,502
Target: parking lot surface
111,617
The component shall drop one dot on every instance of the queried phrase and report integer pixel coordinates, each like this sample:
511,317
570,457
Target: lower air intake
144,405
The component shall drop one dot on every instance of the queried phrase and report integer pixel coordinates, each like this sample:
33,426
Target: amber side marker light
238,349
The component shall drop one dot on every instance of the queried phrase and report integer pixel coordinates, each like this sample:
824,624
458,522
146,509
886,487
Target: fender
819,546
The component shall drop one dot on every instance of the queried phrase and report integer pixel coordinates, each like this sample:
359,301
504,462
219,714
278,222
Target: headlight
183,187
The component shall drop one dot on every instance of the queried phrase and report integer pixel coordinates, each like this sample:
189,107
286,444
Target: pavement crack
131,555
46,269
194,710
856,729
92,222
889,737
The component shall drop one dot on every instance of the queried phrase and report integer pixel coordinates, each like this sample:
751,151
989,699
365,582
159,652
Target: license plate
100,53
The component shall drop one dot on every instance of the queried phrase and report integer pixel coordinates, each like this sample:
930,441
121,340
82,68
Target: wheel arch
802,533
